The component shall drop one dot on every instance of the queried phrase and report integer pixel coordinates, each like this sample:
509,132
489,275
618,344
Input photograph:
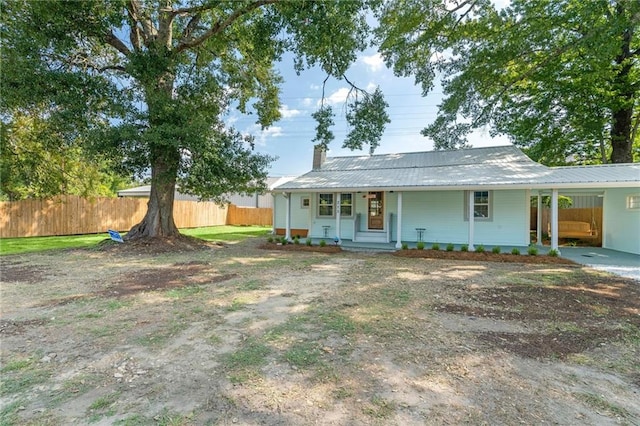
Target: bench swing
579,229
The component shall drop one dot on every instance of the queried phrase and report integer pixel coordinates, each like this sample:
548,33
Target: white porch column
554,220
472,218
273,214
287,232
338,214
399,222
539,220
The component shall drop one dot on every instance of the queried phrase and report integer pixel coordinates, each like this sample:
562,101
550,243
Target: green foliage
480,249
155,98
270,239
420,245
296,240
322,243
564,202
435,246
515,251
464,247
405,246
450,247
532,251
496,250
558,77
308,242
554,253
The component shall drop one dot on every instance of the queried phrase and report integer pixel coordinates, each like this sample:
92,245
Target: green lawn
211,233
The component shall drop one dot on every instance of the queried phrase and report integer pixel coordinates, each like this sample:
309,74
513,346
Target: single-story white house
431,196
241,200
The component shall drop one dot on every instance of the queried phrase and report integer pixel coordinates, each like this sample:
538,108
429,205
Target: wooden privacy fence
591,215
70,215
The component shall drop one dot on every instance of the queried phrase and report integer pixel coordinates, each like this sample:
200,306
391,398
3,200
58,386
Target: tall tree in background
152,80
561,78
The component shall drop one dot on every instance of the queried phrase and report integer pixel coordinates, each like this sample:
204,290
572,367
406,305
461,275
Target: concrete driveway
616,262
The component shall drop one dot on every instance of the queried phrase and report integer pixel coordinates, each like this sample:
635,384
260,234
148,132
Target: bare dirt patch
244,335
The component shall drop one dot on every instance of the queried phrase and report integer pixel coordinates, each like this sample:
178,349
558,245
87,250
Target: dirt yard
236,334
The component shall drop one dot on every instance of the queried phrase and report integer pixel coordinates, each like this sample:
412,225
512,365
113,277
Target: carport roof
501,167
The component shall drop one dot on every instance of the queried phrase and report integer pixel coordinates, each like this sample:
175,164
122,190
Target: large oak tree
561,78
152,80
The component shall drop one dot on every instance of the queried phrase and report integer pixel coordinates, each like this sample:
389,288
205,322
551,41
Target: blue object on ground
115,236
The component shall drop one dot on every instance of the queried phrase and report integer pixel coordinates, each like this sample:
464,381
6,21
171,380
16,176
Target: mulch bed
482,257
301,247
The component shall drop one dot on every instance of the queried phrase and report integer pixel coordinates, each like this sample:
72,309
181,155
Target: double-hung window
482,207
633,202
325,205
346,204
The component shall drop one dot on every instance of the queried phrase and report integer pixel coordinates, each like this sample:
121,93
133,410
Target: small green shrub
405,246
554,253
435,246
420,245
532,251
496,250
480,249
284,241
323,243
450,247
296,240
308,242
270,239
464,247
515,251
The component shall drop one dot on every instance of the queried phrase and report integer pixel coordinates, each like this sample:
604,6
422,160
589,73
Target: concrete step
371,237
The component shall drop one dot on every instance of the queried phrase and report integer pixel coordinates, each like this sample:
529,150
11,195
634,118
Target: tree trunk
158,222
622,114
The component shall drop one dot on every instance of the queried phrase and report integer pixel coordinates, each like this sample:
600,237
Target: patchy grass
37,244
22,374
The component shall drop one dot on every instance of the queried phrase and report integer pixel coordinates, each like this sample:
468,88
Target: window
481,205
305,202
346,204
633,202
325,205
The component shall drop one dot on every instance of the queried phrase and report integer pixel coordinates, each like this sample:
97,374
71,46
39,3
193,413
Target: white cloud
285,112
374,62
338,97
371,87
261,136
315,87
307,101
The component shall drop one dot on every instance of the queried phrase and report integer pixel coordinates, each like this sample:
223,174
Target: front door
376,210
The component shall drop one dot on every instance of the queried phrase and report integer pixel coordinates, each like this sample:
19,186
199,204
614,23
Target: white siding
299,216
621,226
442,214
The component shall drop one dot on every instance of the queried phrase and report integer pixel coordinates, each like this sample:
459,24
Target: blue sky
290,139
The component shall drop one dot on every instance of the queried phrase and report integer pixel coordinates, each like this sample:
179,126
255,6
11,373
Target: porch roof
492,168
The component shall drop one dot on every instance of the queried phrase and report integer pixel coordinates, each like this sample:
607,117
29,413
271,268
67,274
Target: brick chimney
319,155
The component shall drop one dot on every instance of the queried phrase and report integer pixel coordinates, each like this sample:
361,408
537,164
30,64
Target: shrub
323,243
480,249
435,246
464,247
515,251
308,242
496,250
296,240
450,247
284,241
420,245
270,239
405,246
554,253
532,251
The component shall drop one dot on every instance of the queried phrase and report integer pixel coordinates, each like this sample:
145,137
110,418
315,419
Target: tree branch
222,25
114,41
148,31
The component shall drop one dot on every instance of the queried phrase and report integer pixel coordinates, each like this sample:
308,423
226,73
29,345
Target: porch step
371,237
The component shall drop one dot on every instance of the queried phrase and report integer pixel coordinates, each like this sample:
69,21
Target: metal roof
491,167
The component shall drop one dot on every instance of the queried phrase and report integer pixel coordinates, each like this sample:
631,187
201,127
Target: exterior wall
299,216
442,214
621,226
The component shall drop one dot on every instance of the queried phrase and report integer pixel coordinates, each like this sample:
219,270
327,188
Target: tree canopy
149,82
561,78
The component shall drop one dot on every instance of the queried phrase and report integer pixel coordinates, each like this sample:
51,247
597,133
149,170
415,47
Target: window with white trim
346,204
482,205
633,202
325,205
